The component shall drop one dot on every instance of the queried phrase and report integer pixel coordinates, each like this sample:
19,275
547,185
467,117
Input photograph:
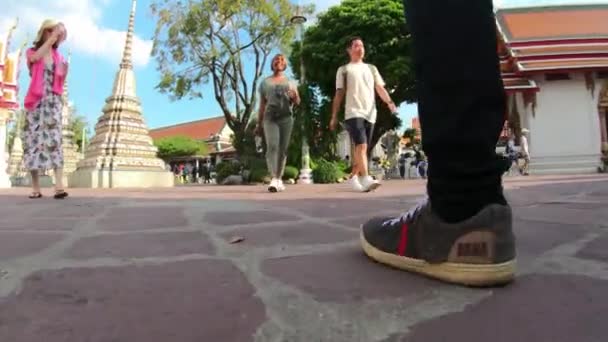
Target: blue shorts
360,130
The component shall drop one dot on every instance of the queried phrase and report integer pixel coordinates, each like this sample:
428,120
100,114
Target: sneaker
369,184
274,185
355,184
479,251
280,185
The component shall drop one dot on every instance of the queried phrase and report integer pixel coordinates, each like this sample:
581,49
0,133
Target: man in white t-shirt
359,82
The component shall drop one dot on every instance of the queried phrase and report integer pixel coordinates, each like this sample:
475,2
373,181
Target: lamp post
83,144
298,20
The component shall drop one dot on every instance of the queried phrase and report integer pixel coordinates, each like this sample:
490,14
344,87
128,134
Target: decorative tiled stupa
122,154
15,160
70,151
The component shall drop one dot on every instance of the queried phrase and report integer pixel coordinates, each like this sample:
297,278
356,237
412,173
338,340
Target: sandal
60,194
35,195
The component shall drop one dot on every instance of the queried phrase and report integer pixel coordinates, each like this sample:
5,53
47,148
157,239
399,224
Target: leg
471,100
59,191
285,129
463,232
58,179
35,183
273,135
361,159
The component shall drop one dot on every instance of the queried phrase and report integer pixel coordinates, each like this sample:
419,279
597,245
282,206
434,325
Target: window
557,77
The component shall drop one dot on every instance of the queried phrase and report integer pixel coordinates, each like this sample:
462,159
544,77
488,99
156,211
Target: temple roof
198,130
543,39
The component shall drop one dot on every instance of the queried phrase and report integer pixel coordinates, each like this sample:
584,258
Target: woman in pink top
43,104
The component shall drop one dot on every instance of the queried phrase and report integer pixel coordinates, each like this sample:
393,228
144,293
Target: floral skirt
43,135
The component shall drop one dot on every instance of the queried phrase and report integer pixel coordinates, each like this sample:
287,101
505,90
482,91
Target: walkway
159,266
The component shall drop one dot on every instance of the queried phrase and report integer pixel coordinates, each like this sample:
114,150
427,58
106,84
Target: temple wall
564,127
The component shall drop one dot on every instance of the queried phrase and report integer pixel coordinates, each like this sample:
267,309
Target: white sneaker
355,184
280,185
369,184
274,185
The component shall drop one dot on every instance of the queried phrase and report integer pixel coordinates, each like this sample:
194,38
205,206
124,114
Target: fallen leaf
237,239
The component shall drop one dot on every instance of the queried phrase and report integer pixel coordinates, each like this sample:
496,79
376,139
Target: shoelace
408,215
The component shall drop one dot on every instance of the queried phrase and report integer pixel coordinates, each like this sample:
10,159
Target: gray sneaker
479,251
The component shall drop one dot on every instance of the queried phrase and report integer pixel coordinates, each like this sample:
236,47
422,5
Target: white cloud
82,19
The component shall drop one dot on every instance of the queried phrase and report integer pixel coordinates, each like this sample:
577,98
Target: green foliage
227,169
244,142
327,172
291,172
257,175
381,24
78,123
344,166
257,168
179,146
207,41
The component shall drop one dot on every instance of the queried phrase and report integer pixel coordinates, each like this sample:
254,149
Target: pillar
5,181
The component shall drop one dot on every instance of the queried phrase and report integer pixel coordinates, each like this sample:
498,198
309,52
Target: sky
96,36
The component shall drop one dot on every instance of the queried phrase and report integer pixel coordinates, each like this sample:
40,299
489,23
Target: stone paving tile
561,214
329,208
595,250
231,218
291,234
346,276
141,245
536,238
535,308
142,218
190,301
16,245
22,222
72,209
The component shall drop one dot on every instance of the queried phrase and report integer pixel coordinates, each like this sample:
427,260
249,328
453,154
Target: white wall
566,121
225,133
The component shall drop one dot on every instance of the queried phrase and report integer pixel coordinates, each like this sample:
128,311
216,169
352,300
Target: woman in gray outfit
278,94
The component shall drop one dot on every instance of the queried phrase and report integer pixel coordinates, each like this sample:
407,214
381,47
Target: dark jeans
461,102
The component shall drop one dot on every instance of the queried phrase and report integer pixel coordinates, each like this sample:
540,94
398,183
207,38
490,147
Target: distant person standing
43,137
525,151
359,82
278,94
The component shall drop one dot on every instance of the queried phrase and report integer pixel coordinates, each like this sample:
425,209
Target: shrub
344,166
327,172
226,169
291,172
257,175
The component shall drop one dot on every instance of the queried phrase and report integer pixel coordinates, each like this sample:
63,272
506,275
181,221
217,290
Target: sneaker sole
372,187
462,274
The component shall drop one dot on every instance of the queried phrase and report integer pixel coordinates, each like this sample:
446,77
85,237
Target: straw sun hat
49,24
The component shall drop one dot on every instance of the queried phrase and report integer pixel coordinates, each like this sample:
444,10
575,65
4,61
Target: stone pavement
158,266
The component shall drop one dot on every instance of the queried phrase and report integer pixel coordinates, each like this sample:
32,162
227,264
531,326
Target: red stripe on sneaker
402,240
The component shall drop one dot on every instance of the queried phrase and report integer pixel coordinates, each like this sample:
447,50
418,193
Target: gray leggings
278,134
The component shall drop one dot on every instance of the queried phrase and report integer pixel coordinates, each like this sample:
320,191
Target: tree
207,41
381,24
179,146
77,124
411,134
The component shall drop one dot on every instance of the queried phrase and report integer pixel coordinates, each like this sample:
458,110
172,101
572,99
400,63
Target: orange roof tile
199,130
540,39
549,23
